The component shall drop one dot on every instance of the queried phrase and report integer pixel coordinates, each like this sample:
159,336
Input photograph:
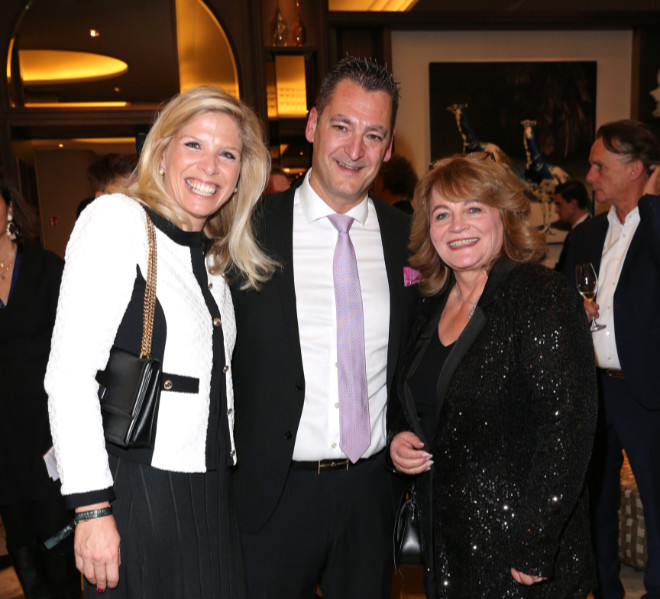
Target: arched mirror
85,78
107,53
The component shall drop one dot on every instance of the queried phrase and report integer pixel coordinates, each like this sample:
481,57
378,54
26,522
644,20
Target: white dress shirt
615,249
314,240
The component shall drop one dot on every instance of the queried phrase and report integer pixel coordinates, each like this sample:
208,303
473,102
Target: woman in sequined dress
498,395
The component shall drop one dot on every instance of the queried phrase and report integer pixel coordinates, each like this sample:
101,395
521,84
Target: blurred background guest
110,170
395,183
202,169
572,208
31,506
277,181
502,345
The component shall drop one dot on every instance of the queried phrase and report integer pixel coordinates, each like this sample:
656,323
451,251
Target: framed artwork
559,96
512,109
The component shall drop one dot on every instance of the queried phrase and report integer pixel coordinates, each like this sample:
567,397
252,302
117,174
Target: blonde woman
160,522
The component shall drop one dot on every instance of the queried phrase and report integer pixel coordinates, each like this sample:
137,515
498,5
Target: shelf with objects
291,72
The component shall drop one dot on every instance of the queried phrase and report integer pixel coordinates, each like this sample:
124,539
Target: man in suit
571,203
310,515
624,247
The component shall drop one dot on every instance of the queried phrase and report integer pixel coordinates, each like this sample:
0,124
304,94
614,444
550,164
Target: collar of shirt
315,208
632,218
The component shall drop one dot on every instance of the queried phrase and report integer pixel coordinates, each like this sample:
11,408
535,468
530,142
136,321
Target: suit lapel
278,235
393,255
595,248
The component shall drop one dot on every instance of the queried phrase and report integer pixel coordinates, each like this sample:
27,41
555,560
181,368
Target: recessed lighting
60,145
94,33
117,89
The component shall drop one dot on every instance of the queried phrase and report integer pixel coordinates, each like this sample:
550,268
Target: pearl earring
161,171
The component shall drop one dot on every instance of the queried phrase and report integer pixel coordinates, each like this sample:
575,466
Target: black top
26,325
424,382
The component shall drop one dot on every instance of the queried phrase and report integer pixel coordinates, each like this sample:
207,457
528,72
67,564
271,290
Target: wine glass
587,285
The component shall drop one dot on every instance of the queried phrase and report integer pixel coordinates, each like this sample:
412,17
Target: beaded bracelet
91,514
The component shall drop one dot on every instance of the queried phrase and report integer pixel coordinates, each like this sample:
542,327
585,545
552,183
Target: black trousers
332,530
624,424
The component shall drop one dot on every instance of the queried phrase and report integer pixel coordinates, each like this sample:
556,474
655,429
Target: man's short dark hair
107,168
631,139
366,73
574,190
398,177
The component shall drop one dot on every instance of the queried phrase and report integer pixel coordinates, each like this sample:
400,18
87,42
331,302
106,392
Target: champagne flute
587,285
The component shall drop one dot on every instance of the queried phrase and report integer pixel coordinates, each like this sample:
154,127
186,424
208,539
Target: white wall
412,51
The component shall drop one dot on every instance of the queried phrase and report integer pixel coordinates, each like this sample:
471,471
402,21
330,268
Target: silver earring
12,229
161,171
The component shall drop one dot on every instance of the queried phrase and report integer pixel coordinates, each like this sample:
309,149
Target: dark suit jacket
636,298
559,267
269,382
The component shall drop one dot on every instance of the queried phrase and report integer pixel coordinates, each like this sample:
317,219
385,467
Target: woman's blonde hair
473,176
234,245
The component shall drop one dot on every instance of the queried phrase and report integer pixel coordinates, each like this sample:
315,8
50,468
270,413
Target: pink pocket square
410,276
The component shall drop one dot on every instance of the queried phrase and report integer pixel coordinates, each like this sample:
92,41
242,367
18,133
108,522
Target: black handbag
129,387
407,537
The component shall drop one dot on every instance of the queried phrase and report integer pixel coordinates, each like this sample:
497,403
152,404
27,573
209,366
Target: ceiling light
61,66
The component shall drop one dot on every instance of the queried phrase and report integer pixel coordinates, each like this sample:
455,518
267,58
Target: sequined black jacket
512,443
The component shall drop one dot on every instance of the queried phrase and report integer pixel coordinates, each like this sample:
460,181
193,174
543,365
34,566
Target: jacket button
300,385
210,285
217,322
225,368
288,435
167,385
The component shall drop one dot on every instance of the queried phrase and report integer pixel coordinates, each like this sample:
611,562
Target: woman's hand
96,547
407,454
525,579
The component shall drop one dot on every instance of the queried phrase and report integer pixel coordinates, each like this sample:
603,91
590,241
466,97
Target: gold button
217,322
229,411
226,368
167,385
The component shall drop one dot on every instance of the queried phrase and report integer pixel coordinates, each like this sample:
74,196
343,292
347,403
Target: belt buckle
332,464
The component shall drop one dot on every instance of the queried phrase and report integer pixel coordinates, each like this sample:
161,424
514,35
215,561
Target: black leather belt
613,373
328,465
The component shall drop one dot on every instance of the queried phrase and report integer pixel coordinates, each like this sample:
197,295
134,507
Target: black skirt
179,534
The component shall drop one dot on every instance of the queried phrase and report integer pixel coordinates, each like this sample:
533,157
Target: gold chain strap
149,292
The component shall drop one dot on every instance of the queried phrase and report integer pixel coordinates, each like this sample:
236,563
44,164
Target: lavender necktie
355,428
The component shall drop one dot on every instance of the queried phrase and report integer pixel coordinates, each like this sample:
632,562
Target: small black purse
129,387
407,537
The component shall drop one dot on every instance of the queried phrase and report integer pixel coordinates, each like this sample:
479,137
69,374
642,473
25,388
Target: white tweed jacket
107,243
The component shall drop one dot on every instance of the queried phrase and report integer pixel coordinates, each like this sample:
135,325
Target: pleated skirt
179,535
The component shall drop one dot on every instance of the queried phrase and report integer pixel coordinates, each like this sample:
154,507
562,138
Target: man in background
109,170
624,247
277,181
571,205
395,183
